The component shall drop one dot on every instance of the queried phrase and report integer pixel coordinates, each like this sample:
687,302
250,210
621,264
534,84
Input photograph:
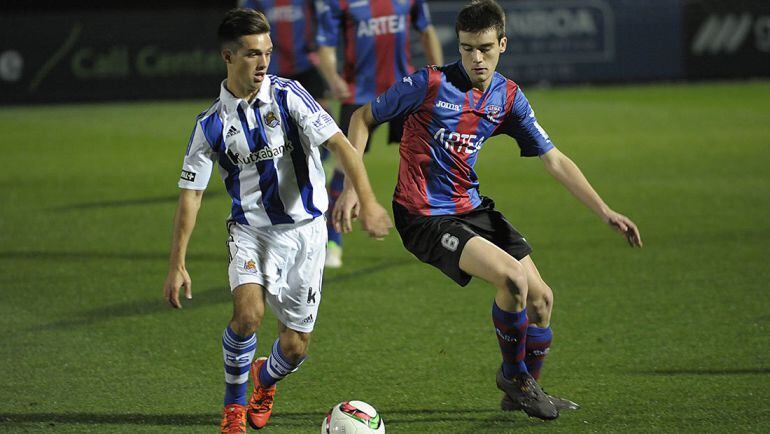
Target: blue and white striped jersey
267,153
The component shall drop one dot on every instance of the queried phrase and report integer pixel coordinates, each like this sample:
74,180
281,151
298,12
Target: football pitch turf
674,337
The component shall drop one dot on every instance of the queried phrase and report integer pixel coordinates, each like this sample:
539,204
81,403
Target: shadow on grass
393,417
218,294
126,202
709,372
88,256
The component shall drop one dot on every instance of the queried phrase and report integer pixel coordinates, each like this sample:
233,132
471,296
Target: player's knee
540,304
513,279
246,323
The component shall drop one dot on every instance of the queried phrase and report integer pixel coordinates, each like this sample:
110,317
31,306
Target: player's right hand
339,88
375,220
177,277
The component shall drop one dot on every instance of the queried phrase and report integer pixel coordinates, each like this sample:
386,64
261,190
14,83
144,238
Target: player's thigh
481,258
295,302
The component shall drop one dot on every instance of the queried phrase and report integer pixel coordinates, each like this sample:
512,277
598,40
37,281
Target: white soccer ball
353,417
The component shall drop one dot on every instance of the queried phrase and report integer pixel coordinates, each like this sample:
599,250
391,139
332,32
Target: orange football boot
261,401
233,420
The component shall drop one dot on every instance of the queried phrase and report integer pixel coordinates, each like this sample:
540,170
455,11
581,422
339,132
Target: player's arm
329,21
564,170
327,57
184,222
347,205
374,218
421,22
432,46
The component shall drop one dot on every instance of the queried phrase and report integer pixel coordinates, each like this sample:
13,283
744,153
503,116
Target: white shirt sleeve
198,162
315,124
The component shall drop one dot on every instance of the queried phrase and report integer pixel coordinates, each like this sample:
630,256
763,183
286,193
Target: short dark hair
480,15
241,22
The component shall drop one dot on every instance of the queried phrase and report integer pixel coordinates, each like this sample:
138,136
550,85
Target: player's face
247,66
480,53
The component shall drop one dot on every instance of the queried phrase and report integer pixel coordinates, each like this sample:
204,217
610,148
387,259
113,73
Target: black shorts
395,128
312,81
439,240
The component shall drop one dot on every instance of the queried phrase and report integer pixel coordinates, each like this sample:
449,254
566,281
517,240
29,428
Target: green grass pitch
671,338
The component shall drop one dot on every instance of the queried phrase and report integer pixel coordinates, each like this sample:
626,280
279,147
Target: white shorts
288,261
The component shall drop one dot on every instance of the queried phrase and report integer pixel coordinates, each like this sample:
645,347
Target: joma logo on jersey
260,155
460,143
382,25
448,105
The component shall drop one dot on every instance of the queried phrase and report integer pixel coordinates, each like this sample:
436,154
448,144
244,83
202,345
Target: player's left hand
625,226
375,220
345,211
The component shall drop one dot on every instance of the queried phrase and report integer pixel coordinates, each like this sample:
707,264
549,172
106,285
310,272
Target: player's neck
241,91
482,86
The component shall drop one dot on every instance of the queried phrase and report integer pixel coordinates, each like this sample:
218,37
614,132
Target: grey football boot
507,404
525,394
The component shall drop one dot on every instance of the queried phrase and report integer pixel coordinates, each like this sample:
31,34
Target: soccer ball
352,417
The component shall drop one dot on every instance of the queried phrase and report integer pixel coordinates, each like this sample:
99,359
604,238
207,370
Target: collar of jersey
231,102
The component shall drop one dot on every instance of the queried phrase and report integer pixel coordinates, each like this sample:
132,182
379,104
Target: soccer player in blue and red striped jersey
293,26
450,111
374,36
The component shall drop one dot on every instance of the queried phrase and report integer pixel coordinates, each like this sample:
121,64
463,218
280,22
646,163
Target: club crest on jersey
492,112
271,120
250,266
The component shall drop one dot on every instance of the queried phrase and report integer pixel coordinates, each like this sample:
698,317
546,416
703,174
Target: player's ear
503,44
227,55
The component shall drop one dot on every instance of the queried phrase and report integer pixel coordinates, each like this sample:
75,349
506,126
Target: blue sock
277,367
538,344
238,352
512,336
335,189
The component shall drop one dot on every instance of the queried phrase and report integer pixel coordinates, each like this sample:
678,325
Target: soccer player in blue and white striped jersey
263,133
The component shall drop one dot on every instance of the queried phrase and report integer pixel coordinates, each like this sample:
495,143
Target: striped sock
335,189
238,352
511,335
538,344
277,367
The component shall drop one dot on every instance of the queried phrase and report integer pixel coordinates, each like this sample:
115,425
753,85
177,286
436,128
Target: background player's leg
483,259
239,340
334,248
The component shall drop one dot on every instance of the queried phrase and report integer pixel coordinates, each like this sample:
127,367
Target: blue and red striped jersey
376,41
292,29
446,124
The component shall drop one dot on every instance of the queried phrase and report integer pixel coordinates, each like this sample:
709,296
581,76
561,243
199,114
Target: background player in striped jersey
374,36
263,132
293,25
443,220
